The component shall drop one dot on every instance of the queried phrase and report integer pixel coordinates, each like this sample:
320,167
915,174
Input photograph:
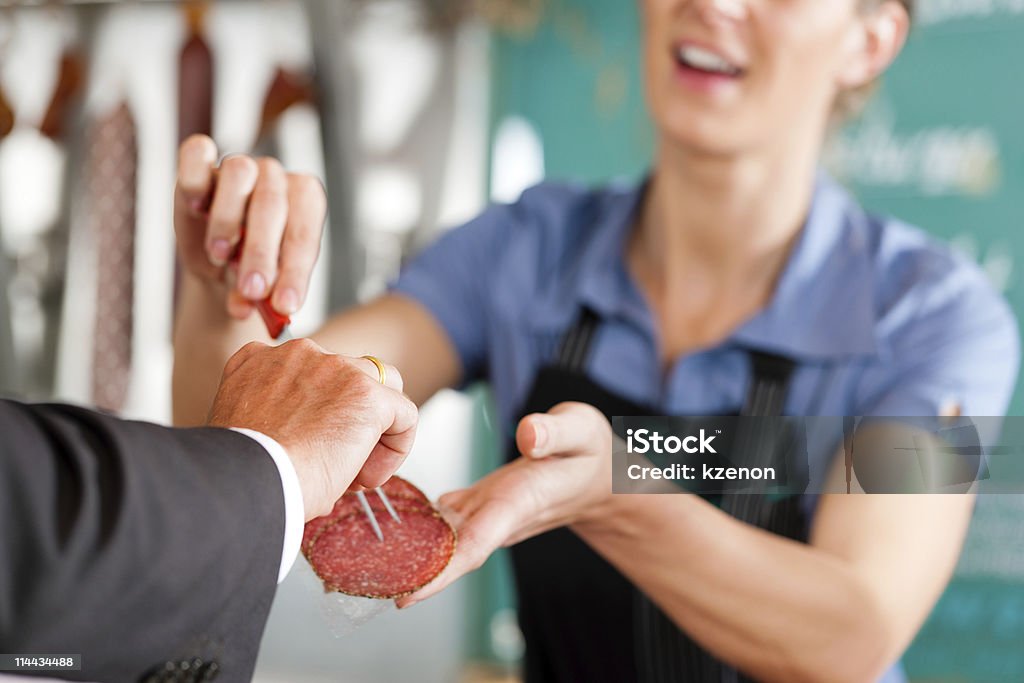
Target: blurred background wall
415,113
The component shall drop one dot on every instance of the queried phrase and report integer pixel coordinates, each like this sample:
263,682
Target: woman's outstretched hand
563,477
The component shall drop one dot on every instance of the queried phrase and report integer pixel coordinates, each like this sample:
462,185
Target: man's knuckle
296,348
364,381
303,344
253,346
242,355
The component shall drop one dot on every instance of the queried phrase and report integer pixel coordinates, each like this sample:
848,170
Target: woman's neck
723,221
711,240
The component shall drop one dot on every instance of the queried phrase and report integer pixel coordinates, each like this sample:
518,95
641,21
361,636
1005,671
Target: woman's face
726,76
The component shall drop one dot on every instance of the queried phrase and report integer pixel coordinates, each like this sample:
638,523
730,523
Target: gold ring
382,373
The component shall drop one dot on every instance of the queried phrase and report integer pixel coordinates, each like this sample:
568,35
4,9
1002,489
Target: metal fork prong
369,515
387,504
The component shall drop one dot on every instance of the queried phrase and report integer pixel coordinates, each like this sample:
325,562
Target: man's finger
392,377
565,429
300,247
396,440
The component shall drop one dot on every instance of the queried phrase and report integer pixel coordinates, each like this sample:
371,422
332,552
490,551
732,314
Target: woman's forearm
780,610
393,328
205,336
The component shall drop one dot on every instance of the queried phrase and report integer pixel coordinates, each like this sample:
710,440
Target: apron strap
668,655
770,373
769,384
575,347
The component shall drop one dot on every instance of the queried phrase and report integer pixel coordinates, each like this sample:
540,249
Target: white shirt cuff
294,507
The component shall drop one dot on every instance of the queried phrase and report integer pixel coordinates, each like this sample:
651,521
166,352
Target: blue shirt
882,319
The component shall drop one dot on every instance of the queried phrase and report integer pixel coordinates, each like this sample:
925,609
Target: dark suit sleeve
133,544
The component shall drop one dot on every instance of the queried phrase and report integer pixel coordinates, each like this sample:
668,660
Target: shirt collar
594,271
823,305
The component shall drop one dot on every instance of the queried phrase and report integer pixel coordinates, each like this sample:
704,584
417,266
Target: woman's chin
703,132
704,140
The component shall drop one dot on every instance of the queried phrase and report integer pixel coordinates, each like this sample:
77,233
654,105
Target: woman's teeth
704,60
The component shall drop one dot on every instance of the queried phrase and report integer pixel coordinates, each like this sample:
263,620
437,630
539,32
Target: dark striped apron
581,619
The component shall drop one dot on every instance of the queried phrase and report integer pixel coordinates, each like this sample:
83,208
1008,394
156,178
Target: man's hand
339,425
283,215
563,478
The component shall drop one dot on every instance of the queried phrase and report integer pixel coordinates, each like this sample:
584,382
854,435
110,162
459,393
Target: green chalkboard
942,146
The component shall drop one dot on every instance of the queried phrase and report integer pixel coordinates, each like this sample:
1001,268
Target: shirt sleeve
453,280
294,507
958,346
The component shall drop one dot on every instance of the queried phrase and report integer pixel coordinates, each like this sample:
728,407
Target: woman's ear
873,44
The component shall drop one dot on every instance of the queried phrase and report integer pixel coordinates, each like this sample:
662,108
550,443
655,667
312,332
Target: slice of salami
349,558
396,488
344,506
312,531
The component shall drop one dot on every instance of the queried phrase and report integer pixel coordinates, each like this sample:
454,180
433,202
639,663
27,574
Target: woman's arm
402,332
394,328
840,609
283,215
